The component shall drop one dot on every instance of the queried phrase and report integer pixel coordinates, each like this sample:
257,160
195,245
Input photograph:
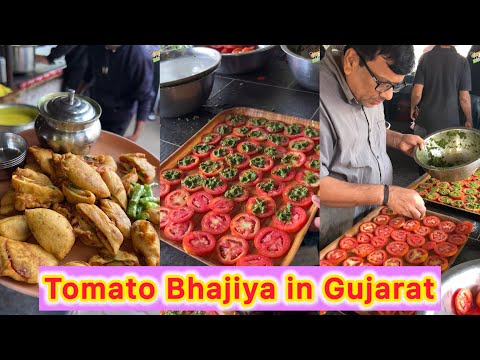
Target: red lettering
337,289
192,284
308,287
117,292
93,286
175,285
151,291
131,285
52,288
73,294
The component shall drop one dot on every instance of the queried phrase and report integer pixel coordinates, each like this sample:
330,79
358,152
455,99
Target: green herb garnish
223,129
298,192
171,175
210,166
260,206
235,119
230,141
229,173
300,145
235,159
283,171
248,176
274,126
258,161
267,186
234,192
247,147
202,148
257,121
192,181
314,164
311,132
187,160
220,152
277,139
284,214
293,129
212,182
242,130
288,158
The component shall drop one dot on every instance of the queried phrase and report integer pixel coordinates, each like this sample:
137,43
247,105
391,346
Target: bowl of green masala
450,154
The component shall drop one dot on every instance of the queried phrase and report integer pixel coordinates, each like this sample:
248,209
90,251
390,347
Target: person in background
442,81
76,60
474,62
120,79
152,49
355,170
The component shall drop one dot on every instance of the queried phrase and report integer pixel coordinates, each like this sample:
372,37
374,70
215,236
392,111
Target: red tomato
308,178
177,198
298,218
379,242
438,236
229,174
411,225
347,243
216,223
219,188
248,147
235,120
275,152
431,221
293,131
429,245
416,256
212,138
363,250
387,211
181,214
302,144
201,153
211,168
381,219
254,260
223,129
290,195
368,227
397,248
434,260
164,220
230,248
397,222
325,263
274,126
188,162
240,198
250,177
393,261
173,176
176,232
262,163
457,239
445,249
242,163
245,226
272,242
270,188
399,235
294,158
447,226
277,140
462,301
199,202
377,257
220,153
193,182
240,132
198,243
383,230
423,230
221,205
464,228
353,261
256,123
283,173
257,135
364,237
164,189
261,206
336,256
311,133
415,240
248,48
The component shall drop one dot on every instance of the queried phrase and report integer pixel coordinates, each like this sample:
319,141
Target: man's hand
41,59
134,137
469,124
406,202
408,142
315,225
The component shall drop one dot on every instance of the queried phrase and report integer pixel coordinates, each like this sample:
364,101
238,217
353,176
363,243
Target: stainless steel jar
23,58
68,122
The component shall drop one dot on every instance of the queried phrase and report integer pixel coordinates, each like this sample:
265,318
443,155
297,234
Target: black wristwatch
386,193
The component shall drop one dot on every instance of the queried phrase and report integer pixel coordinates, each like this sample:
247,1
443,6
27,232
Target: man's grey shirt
352,144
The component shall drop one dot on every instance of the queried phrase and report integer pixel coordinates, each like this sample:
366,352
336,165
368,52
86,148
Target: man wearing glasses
356,171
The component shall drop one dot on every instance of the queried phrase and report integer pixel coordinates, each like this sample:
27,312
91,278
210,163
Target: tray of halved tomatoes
383,238
239,192
463,195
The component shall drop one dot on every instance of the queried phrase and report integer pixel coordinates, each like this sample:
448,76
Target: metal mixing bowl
186,79
450,154
13,150
7,111
305,71
466,275
241,63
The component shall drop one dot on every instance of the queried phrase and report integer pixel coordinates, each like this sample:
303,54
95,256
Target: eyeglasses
383,86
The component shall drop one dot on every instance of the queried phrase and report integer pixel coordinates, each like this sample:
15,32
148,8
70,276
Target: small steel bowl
241,63
7,111
450,154
13,151
305,71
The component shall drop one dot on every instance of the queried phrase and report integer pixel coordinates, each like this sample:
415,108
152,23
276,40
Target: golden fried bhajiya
145,170
146,242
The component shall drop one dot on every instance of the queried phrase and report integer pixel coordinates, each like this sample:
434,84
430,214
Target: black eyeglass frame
387,84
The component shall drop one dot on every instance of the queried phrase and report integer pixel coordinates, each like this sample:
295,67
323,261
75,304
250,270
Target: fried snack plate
425,178
108,144
186,148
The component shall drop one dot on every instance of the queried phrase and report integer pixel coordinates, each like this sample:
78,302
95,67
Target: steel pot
23,58
305,71
25,114
68,122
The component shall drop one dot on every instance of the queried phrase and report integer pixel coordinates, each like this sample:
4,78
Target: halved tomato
188,162
274,126
294,158
399,235
199,202
177,198
364,237
277,140
293,131
311,133
363,250
447,226
230,141
397,222
298,195
313,163
423,230
465,228
381,219
245,226
198,243
429,245
262,163
171,176
164,220
302,144
220,153
415,240
388,211
193,182
202,150
411,225
377,257
261,206
181,214
445,249
272,242
434,260
221,204
353,261
308,178
250,177
229,174
289,218
214,185
237,193
176,231
431,221
230,248
462,301
254,123
397,248
283,173
325,263
384,230
212,138
416,256
257,135
347,243
164,189
438,236
393,261
235,120
275,152
336,256
457,239
248,147
379,242
368,227
241,131
211,168
238,161
215,223
254,260
223,129
270,187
